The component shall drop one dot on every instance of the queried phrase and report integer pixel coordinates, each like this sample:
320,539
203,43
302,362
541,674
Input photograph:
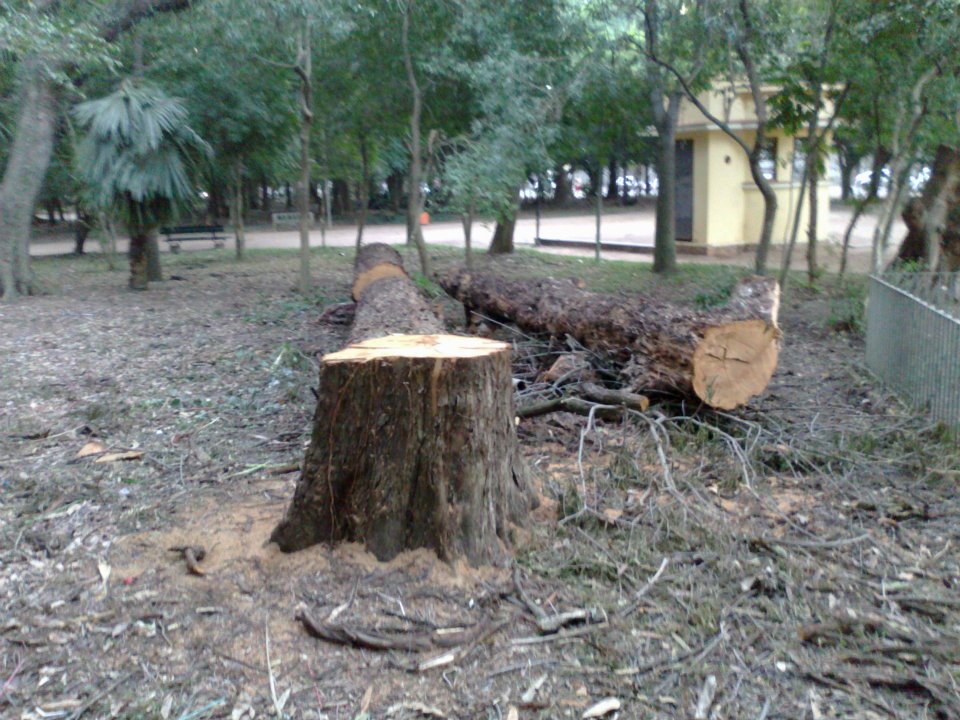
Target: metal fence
913,339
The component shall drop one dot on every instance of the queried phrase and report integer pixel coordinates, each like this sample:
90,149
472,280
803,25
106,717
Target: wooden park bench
181,233
291,219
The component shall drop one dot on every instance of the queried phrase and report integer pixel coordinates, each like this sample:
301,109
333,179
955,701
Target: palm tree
137,160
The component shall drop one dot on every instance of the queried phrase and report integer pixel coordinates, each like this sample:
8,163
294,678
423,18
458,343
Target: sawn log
722,357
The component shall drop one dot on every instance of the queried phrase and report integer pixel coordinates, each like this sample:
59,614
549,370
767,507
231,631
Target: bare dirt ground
798,558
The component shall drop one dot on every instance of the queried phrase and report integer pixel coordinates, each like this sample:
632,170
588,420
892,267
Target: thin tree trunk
23,176
467,219
599,199
665,233
238,229
364,189
304,70
415,206
611,193
813,270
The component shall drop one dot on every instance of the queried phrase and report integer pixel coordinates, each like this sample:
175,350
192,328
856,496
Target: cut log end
439,347
734,362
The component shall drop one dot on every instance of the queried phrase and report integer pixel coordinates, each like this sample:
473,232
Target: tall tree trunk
563,193
467,219
612,184
769,214
364,189
23,175
304,70
395,191
239,231
813,270
154,270
665,232
139,279
599,213
415,207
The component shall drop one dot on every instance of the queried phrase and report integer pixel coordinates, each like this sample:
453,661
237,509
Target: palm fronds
138,153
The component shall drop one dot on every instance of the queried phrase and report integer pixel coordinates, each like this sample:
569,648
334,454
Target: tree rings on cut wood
413,446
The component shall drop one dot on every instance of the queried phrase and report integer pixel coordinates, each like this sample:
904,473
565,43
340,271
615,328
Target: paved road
631,226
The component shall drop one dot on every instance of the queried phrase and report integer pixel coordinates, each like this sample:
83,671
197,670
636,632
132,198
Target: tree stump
413,446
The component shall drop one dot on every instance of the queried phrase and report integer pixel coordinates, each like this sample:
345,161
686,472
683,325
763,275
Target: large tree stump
723,357
413,446
413,440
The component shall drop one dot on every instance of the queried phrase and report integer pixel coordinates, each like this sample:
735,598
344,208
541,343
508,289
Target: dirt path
621,226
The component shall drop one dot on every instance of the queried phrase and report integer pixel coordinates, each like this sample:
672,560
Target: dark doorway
683,197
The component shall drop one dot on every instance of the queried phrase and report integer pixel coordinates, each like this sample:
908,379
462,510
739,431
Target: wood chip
602,708
91,448
118,456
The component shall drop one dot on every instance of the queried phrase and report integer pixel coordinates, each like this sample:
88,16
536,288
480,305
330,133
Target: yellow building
719,207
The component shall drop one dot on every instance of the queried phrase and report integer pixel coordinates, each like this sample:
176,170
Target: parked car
916,181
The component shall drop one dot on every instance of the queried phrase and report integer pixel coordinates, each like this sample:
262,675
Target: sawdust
236,538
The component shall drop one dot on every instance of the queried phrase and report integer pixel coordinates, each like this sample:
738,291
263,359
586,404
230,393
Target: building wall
728,206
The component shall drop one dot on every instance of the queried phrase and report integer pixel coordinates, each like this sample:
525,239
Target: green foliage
848,304
137,153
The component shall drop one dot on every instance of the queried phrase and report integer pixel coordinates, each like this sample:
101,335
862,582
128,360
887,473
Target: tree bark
933,219
154,269
81,230
723,357
415,205
467,220
364,189
139,279
563,193
239,231
665,233
813,269
413,439
502,241
304,70
23,176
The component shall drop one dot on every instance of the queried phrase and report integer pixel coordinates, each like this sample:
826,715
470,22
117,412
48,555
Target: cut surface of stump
413,446
723,357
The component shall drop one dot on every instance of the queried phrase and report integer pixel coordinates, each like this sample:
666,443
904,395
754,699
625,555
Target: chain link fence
913,339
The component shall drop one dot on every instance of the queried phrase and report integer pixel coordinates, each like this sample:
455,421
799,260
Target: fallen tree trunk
723,357
413,439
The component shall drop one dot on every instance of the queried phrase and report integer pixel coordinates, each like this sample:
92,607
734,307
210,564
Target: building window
799,160
768,159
